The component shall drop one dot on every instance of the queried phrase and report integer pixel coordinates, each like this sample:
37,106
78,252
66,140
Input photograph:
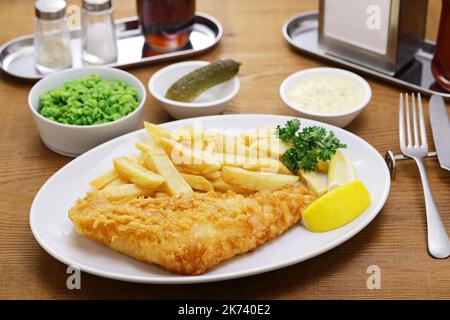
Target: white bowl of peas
78,109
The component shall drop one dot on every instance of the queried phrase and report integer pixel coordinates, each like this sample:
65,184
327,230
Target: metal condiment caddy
302,33
17,56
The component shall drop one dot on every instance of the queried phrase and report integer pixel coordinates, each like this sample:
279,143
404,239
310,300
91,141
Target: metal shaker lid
50,9
96,5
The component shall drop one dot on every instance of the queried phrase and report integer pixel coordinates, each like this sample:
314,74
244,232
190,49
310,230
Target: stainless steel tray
301,31
17,58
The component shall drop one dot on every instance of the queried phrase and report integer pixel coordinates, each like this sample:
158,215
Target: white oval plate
55,233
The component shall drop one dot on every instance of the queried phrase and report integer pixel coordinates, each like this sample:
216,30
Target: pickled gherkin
198,81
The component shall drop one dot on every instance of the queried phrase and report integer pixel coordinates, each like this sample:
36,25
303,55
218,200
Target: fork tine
401,124
414,116
423,131
408,121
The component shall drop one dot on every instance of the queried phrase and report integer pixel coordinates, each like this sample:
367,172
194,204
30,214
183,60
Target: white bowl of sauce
330,95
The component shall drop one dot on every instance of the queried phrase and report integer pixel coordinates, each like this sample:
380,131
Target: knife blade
440,127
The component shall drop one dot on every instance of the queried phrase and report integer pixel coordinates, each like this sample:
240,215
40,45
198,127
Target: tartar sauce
326,94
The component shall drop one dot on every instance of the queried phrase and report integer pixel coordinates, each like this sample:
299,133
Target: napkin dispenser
380,34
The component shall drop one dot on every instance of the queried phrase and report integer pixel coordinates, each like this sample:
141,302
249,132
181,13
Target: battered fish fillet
192,233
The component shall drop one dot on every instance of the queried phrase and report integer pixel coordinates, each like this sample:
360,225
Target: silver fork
438,241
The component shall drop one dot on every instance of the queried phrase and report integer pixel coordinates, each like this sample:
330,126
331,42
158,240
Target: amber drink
440,66
166,24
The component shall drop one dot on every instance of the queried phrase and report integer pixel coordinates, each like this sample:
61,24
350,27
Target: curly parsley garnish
308,145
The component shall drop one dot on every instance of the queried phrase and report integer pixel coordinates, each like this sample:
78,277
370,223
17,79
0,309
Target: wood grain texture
395,240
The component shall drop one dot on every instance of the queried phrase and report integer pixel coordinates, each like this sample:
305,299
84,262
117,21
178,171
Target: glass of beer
166,24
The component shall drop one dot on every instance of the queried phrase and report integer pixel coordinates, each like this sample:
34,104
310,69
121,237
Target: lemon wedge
313,182
340,171
337,207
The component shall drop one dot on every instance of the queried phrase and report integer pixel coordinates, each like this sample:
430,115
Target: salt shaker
98,32
51,37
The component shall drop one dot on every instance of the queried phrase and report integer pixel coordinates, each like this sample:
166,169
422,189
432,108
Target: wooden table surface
395,241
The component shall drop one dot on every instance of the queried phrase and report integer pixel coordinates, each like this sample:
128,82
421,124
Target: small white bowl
73,140
340,119
212,101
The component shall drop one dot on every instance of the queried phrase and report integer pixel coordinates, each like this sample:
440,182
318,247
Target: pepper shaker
98,32
51,37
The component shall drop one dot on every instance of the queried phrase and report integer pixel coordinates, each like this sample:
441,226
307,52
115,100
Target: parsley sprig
308,145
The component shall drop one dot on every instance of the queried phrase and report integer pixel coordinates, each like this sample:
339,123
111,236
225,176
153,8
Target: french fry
117,181
208,145
190,170
252,163
161,195
198,182
182,169
131,171
269,147
282,169
251,136
187,143
196,145
268,165
253,180
101,181
125,190
230,145
264,166
198,161
144,146
156,132
203,160
183,133
313,182
222,186
195,138
157,160
188,134
192,133
212,176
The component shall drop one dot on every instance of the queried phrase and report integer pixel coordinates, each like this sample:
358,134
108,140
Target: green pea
88,101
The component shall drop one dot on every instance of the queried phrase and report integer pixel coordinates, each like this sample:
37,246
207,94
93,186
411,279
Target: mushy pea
89,101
